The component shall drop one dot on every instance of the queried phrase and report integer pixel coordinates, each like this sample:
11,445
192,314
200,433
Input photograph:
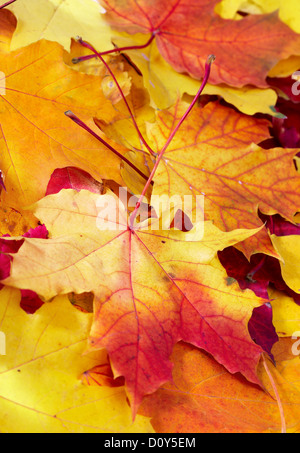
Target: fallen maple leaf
40,387
152,288
204,398
59,21
288,248
34,129
210,155
186,32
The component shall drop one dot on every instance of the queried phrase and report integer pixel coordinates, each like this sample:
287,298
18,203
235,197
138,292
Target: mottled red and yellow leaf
152,287
187,31
213,154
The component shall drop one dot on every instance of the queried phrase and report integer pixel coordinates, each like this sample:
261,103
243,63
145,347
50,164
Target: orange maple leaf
213,154
204,398
35,91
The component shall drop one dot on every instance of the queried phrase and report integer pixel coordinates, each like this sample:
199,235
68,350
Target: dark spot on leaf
11,226
229,280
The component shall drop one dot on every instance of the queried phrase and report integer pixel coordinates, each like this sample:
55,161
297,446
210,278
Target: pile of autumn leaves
188,331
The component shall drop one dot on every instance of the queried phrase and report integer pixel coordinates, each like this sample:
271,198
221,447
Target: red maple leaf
186,31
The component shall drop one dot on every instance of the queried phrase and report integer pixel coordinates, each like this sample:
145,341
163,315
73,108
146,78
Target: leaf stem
208,64
88,46
7,3
116,49
80,123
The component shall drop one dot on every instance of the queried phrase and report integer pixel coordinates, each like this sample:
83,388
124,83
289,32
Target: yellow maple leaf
286,313
40,375
59,20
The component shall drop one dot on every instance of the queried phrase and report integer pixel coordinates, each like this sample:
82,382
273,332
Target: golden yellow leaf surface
288,248
14,223
289,11
59,21
286,313
40,375
152,287
40,87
